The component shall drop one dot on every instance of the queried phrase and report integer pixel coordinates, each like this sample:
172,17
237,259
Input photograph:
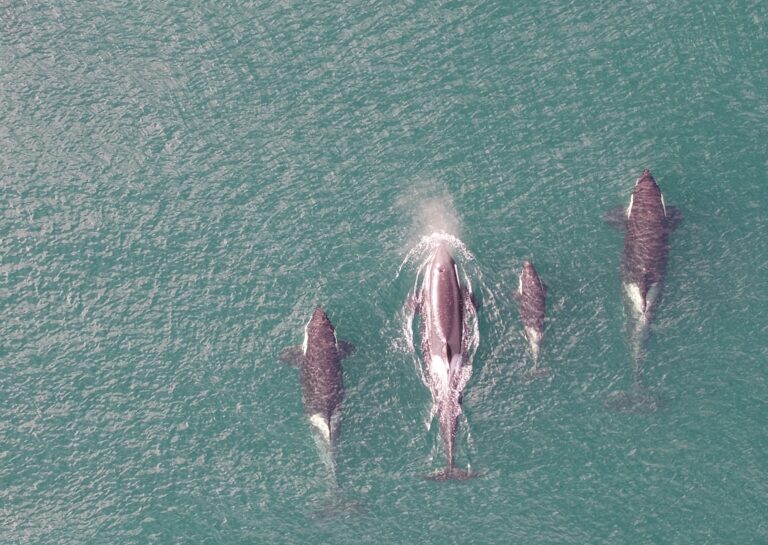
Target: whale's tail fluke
537,373
452,474
635,400
336,504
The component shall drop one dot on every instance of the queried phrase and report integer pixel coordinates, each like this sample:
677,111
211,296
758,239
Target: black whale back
532,299
321,375
442,323
646,242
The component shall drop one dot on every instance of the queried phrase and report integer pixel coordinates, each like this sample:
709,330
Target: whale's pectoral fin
293,355
674,217
472,303
616,217
414,303
345,349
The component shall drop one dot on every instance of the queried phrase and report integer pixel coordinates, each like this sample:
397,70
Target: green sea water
180,185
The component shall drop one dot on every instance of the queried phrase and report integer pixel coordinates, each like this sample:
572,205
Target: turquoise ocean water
181,185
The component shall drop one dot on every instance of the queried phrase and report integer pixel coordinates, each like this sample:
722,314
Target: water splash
430,206
423,252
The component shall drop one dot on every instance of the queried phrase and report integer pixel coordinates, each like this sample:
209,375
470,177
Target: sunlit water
181,185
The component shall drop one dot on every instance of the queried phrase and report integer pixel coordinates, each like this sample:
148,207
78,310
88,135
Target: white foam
425,249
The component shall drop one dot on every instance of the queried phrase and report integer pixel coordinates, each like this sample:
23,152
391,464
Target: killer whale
646,223
531,296
322,385
443,305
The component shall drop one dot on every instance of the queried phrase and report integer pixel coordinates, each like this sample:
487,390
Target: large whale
646,223
443,305
531,296
322,386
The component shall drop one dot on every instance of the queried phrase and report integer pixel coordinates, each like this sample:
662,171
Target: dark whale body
646,226
531,296
647,223
322,384
443,305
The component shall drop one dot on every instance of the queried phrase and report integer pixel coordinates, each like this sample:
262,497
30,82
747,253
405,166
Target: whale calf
646,223
443,305
531,296
322,386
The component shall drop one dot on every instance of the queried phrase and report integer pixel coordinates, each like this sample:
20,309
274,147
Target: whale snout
443,260
319,318
646,178
442,255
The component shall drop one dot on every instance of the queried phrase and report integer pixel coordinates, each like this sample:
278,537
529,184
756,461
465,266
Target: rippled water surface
181,185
